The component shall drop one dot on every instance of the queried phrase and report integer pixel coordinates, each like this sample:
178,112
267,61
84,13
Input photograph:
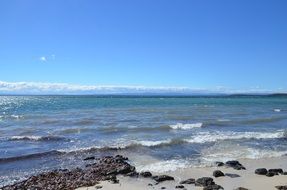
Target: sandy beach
248,179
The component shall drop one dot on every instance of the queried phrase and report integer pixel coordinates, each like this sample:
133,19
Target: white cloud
47,58
63,88
43,59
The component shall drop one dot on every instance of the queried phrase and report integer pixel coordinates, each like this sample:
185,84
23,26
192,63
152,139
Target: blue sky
199,44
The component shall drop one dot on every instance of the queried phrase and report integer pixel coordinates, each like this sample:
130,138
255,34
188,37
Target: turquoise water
41,133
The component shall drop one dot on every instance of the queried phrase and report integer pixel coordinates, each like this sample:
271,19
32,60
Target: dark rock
90,158
163,187
261,171
284,173
218,173
98,187
213,187
219,164
111,172
270,174
145,174
281,187
239,167
105,168
235,165
232,175
113,179
179,187
150,184
132,174
116,181
120,157
276,171
241,188
204,181
125,169
162,178
188,181
232,163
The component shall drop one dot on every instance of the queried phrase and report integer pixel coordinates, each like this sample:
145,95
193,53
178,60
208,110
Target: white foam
186,126
153,143
36,138
16,116
256,154
77,149
239,153
277,110
215,136
117,145
164,166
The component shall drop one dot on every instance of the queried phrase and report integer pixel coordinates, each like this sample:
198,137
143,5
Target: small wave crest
128,145
186,126
36,138
205,137
13,117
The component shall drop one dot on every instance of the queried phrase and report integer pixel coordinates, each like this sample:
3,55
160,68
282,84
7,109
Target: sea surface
158,133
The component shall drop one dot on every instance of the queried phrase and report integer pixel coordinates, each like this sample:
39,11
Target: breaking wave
186,126
203,137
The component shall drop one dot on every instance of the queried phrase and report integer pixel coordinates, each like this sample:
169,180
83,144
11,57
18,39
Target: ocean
157,133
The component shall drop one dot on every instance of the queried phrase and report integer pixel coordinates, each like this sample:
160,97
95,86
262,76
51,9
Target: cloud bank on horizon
64,88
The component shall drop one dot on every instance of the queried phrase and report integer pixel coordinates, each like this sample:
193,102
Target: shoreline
116,173
247,179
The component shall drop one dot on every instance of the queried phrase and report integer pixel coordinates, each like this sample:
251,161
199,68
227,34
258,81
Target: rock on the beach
162,178
121,157
179,187
241,188
276,171
125,169
261,171
132,174
105,168
218,173
284,173
232,175
188,181
146,174
90,158
113,179
281,187
219,164
213,187
204,181
235,165
270,174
